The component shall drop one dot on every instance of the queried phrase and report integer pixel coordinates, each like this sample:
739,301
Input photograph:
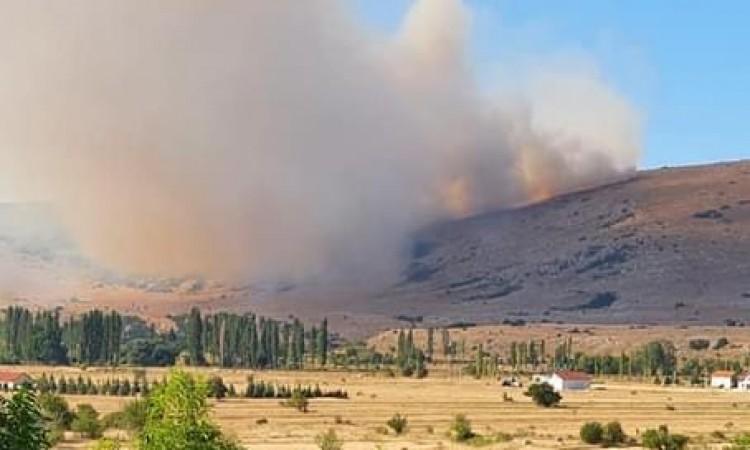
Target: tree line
92,338
655,359
231,340
410,359
81,386
109,338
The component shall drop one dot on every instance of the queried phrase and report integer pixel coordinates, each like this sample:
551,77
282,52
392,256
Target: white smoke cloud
249,139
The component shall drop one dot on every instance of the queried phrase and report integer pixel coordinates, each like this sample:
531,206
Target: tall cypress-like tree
401,348
284,350
430,341
47,339
323,342
299,342
313,344
195,337
253,342
446,338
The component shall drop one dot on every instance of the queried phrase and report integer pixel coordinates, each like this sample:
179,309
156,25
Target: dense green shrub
608,435
613,434
592,432
216,388
460,429
298,401
329,441
56,411
177,417
132,417
397,423
86,421
662,439
543,395
21,422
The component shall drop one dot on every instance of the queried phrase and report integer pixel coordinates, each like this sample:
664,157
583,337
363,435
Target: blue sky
684,64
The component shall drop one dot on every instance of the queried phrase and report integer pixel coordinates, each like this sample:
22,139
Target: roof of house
722,373
9,377
743,375
572,375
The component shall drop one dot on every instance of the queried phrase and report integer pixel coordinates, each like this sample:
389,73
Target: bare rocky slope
668,245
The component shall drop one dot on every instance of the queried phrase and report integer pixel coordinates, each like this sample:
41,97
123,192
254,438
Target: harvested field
431,404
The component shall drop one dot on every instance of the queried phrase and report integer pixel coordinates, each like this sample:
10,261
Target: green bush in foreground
86,421
132,417
662,439
591,433
106,444
298,401
543,394
329,441
607,435
177,418
397,423
613,434
21,423
740,442
57,415
460,430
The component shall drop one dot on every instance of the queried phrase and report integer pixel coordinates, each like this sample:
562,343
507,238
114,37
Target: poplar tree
323,342
430,342
195,337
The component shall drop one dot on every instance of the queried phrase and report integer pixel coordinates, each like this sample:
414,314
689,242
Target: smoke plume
245,139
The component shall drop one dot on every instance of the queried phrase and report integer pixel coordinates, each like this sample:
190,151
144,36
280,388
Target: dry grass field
431,404
591,339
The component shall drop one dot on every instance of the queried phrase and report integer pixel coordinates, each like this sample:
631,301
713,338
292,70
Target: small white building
13,380
569,380
723,379
743,381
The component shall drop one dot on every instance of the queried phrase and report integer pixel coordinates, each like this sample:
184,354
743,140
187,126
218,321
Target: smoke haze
250,139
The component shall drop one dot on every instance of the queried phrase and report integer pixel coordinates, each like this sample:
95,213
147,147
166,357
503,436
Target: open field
431,404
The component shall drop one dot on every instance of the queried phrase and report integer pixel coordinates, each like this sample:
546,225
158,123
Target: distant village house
566,380
570,380
723,379
13,380
743,381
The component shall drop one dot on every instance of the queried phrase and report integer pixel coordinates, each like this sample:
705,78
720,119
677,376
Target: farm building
723,379
743,381
569,380
12,380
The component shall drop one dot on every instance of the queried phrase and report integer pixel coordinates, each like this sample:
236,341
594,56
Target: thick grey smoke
279,138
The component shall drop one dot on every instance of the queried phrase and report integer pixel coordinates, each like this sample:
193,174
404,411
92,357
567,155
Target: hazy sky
686,64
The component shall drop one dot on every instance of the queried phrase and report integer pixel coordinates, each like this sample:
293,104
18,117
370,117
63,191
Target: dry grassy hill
669,245
586,338
665,246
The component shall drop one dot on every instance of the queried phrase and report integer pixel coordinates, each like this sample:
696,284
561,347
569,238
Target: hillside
669,245
665,246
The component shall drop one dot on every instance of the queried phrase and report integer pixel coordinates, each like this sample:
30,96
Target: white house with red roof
569,380
13,380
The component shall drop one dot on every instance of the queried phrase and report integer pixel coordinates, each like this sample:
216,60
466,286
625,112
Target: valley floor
432,403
